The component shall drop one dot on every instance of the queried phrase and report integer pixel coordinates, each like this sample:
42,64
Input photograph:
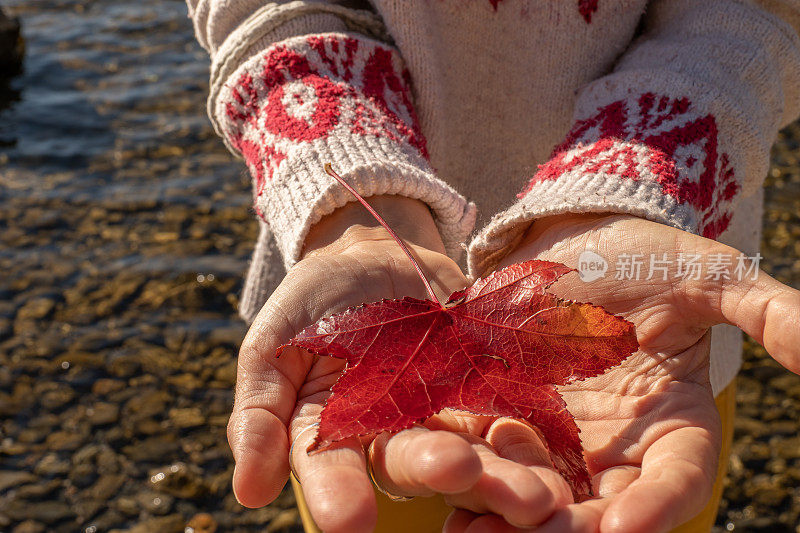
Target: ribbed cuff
335,98
654,156
574,192
305,193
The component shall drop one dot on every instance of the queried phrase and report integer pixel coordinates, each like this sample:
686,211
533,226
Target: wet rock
11,479
186,382
152,449
58,397
783,427
776,465
46,421
39,491
86,454
127,505
102,387
6,328
226,374
771,496
83,475
257,517
167,524
201,523
155,360
187,418
147,426
744,425
787,448
180,480
761,524
794,473
116,294
49,512
124,366
221,482
36,309
148,403
65,440
285,520
154,502
106,521
107,462
218,420
102,413
51,465
231,335
106,487
33,435
86,508
29,526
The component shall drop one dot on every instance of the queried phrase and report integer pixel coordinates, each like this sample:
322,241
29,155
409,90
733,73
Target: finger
585,517
335,483
520,443
461,521
490,523
266,391
518,493
614,480
678,473
458,521
581,517
764,308
259,443
420,462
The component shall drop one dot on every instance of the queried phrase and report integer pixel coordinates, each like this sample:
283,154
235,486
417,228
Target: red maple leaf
497,348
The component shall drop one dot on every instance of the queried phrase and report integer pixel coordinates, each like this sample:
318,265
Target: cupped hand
348,261
649,427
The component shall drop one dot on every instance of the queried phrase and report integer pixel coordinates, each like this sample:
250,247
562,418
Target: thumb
761,306
266,392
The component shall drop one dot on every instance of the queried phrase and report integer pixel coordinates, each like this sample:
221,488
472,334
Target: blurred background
125,229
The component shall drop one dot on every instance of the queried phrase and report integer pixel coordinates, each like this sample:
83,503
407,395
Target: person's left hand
649,427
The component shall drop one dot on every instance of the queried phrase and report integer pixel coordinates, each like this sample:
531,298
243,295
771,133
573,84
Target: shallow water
125,229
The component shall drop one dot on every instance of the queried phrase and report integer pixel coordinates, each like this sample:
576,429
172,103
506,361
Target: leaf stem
334,175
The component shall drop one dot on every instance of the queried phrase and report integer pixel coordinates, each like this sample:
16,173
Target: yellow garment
423,515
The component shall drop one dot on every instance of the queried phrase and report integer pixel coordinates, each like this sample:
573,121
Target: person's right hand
348,260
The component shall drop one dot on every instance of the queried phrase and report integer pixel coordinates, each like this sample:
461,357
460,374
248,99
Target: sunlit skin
649,427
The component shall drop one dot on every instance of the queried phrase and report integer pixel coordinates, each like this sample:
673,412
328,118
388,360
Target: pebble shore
123,245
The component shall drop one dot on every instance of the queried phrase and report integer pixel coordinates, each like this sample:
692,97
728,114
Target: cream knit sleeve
679,131
297,84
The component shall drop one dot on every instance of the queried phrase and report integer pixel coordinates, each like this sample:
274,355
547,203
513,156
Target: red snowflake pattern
304,93
664,136
585,7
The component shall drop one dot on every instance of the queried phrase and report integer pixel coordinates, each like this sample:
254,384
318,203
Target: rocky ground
123,241
762,491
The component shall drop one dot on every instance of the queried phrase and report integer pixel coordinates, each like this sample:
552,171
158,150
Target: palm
278,399
363,275
629,407
653,416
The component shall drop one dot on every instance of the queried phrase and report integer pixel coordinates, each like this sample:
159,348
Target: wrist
563,220
351,224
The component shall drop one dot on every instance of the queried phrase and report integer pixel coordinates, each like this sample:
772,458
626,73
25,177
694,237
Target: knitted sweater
665,109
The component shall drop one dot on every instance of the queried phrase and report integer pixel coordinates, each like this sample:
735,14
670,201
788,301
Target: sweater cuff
292,208
332,98
647,155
